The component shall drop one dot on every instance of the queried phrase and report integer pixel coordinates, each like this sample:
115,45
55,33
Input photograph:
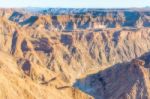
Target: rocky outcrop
122,81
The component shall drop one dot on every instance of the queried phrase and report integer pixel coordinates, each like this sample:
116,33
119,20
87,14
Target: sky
75,3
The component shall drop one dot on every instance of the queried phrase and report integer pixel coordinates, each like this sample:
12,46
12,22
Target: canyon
75,54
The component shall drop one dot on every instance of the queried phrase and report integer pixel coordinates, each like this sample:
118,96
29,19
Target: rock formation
122,81
43,53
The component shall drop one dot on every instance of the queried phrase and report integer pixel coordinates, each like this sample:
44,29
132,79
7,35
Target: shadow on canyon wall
115,82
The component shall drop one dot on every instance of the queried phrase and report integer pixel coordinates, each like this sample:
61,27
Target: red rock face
54,50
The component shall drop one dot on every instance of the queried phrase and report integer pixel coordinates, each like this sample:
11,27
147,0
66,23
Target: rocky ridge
122,81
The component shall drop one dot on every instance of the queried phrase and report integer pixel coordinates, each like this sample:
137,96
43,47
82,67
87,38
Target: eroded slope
50,52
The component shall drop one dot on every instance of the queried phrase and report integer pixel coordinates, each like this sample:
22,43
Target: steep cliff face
122,81
55,50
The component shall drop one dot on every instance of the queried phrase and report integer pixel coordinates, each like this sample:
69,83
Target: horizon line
81,7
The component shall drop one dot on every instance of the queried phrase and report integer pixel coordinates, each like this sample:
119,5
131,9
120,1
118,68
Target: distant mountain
79,11
35,9
57,11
